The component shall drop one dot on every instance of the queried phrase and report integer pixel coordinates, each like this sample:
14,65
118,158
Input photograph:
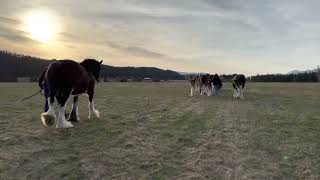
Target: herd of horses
66,78
204,83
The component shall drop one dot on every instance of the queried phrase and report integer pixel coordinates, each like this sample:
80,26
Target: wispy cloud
136,51
9,31
9,20
15,36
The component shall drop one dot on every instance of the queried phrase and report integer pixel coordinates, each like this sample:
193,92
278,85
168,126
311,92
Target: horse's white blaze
62,122
92,110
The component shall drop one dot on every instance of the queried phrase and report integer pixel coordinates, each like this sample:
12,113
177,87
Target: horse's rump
67,74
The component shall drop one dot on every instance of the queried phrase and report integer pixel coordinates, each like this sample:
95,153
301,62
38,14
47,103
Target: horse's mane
89,65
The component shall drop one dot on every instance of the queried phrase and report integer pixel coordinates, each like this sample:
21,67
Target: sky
213,36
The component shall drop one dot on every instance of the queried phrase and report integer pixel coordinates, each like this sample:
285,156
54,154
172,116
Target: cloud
9,31
68,35
14,35
136,51
9,20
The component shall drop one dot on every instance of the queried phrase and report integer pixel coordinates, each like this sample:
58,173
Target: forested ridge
13,65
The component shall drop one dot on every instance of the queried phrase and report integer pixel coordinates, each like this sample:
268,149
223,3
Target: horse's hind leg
209,92
62,98
48,118
74,115
92,110
192,89
235,93
241,94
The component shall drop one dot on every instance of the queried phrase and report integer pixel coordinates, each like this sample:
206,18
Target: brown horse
64,78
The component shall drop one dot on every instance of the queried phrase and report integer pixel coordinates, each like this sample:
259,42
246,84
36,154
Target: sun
40,26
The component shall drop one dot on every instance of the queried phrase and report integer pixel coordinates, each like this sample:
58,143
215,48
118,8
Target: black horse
64,78
238,83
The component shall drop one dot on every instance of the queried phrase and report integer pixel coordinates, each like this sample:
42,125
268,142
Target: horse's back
67,73
239,80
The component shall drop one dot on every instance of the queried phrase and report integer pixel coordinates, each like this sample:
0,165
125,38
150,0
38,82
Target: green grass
156,131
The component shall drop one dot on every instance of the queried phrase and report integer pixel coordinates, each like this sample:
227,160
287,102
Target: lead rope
31,96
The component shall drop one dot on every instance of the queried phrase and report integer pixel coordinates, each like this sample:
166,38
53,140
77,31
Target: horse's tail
41,78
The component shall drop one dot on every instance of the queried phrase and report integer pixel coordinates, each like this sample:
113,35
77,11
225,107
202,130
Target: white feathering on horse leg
62,122
238,92
93,110
242,94
77,112
48,117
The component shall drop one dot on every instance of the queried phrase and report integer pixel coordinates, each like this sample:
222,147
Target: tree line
13,65
300,77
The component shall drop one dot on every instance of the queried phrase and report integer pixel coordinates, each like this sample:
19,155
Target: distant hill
190,73
13,65
184,73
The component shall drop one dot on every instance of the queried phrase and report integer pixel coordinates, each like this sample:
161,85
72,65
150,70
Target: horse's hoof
65,124
73,118
95,114
48,119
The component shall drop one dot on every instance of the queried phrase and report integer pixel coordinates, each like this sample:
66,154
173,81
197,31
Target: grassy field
156,131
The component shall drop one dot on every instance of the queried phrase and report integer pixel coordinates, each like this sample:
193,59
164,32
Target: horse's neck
86,68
